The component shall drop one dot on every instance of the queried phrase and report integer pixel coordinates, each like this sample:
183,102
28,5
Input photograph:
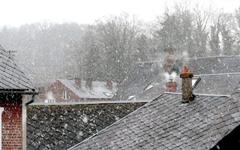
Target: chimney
42,92
78,82
187,90
109,84
89,83
169,60
171,86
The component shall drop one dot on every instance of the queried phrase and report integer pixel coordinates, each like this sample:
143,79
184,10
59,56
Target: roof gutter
32,92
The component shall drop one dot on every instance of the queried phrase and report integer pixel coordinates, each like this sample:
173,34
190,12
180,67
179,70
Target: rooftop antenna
12,53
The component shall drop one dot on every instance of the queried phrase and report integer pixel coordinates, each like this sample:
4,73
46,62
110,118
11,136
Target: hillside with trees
107,49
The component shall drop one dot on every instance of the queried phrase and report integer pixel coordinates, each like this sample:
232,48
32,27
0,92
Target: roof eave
19,91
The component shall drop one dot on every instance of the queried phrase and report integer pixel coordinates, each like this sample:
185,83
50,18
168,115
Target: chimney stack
187,90
109,84
170,60
89,83
78,82
171,86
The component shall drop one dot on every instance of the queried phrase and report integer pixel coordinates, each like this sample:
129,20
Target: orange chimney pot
186,73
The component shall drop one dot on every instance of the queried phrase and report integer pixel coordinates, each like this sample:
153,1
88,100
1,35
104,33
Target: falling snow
116,58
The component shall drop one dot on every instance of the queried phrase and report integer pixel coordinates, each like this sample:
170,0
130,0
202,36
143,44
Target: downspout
31,101
24,116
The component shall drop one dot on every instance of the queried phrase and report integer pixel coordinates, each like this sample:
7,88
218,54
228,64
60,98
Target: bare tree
200,33
175,30
117,36
222,36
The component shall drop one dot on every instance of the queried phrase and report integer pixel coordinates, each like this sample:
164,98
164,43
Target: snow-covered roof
215,65
215,73
98,90
166,123
138,79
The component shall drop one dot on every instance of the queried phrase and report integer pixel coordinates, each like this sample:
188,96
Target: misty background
108,48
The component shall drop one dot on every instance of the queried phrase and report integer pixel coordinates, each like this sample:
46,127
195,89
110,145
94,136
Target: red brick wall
57,89
12,122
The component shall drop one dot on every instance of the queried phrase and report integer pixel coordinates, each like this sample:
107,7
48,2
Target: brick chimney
170,60
109,84
171,86
42,92
187,90
78,82
89,83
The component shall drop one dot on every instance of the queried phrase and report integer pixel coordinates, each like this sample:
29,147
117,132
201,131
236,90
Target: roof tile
166,123
11,77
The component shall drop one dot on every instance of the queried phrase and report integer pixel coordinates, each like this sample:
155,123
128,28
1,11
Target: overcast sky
18,12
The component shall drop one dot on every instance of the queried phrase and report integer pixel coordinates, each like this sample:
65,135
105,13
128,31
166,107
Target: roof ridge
215,56
218,74
192,58
199,94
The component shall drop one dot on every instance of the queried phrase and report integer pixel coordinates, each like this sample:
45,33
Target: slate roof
211,69
215,64
11,77
218,84
98,90
139,77
166,123
58,127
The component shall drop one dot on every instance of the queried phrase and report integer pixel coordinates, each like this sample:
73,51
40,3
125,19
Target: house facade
77,90
16,91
